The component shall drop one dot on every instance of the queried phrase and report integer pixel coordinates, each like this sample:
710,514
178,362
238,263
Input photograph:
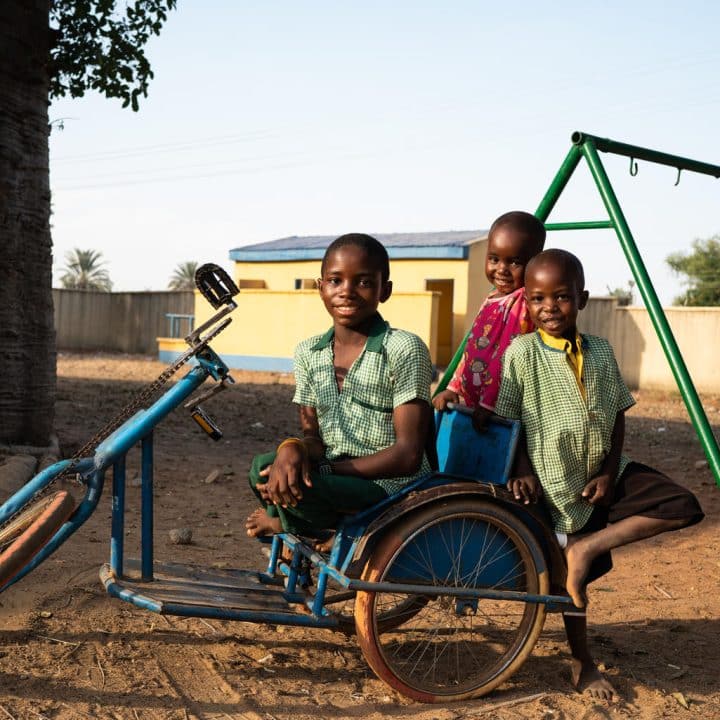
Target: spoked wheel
31,530
452,648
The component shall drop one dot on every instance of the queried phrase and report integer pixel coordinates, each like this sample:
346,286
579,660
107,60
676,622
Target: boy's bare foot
578,566
325,546
259,523
587,678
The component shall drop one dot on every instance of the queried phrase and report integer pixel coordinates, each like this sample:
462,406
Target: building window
305,284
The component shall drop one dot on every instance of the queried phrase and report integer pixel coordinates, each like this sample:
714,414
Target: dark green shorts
322,505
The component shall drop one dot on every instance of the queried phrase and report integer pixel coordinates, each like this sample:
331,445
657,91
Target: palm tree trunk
27,335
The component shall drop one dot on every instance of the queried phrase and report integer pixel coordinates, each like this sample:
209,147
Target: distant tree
624,296
50,48
85,270
183,277
701,269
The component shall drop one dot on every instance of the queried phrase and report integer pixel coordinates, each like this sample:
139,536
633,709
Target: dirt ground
67,650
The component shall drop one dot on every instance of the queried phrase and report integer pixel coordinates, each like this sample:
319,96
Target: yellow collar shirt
574,356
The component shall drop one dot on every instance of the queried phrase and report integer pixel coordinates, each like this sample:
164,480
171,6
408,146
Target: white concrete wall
638,350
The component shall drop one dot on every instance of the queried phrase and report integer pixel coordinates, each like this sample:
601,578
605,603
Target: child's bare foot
259,523
325,546
578,566
587,678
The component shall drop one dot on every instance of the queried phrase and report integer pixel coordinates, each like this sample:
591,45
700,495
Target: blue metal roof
450,244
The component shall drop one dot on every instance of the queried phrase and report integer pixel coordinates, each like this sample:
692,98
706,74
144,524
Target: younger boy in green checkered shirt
364,394
567,391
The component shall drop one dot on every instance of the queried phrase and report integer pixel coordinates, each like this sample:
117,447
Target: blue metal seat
463,451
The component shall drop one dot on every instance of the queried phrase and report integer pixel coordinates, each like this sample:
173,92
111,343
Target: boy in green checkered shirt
364,394
567,391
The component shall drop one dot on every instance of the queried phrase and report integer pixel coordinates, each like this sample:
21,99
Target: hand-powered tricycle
446,583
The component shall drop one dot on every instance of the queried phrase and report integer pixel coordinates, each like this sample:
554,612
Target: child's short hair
522,222
568,263
373,248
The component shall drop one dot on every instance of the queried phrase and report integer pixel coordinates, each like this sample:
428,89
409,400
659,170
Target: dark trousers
641,490
322,505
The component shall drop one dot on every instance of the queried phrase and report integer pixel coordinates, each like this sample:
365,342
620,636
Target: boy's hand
598,490
286,476
441,400
526,488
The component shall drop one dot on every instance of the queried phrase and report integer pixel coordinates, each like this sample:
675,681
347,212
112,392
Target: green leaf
100,45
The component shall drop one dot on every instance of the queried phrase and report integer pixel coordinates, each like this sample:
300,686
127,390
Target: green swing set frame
588,146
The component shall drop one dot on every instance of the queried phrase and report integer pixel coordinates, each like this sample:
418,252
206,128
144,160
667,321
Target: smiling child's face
352,286
554,298
508,253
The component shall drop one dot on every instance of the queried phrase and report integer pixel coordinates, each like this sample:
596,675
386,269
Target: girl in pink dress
514,238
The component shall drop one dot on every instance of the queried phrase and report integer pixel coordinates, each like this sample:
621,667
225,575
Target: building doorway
445,318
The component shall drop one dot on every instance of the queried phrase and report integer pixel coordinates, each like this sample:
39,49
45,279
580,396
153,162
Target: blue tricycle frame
445,583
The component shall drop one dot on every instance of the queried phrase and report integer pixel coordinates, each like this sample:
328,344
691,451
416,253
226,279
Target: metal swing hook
633,167
677,181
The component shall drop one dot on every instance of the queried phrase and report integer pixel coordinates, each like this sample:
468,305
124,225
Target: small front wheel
29,531
451,647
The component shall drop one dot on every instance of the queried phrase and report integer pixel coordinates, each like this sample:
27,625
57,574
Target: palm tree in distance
85,270
183,277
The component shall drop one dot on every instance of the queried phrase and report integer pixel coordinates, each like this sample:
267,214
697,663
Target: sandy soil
67,650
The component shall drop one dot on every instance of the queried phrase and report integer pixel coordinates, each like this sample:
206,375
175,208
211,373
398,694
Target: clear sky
284,118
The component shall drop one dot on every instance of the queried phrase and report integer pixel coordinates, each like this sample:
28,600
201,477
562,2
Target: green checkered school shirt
393,368
568,437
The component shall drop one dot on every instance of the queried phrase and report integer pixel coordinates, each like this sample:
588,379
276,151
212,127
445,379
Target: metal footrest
194,585
195,591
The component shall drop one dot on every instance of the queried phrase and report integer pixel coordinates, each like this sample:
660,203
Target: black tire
452,649
31,530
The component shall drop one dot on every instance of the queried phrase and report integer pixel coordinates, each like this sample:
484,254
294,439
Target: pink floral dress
499,321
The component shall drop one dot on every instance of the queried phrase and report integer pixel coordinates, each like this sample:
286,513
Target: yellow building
438,284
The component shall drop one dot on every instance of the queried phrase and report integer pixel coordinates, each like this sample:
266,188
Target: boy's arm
291,467
441,400
311,432
599,489
411,421
524,484
410,369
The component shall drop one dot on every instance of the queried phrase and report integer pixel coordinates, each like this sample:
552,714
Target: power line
166,147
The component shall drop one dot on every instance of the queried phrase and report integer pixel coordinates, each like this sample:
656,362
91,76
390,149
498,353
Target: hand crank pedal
206,423
215,284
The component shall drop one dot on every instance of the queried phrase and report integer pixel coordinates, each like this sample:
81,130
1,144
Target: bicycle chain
124,414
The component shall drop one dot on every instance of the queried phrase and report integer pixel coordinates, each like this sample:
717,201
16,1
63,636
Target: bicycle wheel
452,648
31,530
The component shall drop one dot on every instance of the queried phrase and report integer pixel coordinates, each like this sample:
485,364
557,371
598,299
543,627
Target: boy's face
352,287
508,253
554,299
